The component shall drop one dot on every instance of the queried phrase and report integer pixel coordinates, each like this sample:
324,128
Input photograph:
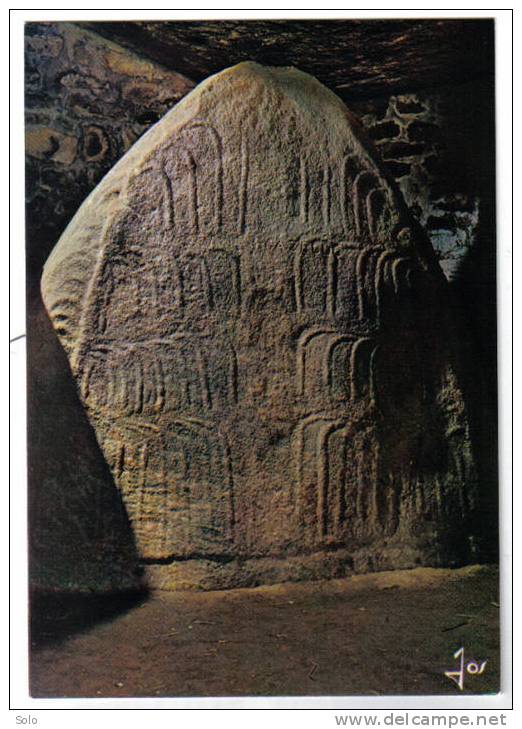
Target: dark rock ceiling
356,58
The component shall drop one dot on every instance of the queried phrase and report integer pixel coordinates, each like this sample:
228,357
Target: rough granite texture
257,328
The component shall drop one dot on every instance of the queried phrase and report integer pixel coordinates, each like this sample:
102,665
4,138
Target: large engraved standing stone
258,332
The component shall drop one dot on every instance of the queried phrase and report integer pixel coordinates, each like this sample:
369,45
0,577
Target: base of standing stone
218,574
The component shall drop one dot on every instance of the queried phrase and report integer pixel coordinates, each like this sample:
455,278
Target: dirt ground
379,634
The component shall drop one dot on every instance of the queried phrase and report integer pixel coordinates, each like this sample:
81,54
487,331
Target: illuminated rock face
257,331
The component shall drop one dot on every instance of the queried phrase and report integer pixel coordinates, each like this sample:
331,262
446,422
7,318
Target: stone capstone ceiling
355,58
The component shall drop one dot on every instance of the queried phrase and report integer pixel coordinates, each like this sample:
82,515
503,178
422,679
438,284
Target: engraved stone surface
257,329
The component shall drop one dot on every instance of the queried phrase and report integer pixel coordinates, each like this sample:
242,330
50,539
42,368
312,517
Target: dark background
424,90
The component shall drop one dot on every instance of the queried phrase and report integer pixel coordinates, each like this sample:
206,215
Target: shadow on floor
55,617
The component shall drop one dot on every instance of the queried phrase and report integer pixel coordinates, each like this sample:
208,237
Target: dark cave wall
87,101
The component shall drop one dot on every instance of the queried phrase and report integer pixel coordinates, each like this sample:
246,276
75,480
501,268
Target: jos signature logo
472,667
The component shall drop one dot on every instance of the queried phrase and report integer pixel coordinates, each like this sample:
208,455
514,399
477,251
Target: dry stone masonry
257,329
